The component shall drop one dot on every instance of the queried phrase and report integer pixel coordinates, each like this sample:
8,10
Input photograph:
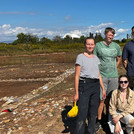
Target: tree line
32,43
32,39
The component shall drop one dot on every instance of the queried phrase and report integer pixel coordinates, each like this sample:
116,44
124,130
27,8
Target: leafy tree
98,37
91,35
128,36
26,38
21,38
82,39
45,40
123,40
57,39
68,39
76,40
31,39
117,41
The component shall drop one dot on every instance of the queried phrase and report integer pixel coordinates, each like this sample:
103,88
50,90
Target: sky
50,18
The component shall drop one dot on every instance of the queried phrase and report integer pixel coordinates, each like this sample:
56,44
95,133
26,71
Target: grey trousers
110,84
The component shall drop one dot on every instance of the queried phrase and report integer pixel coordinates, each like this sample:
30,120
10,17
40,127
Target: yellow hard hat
74,111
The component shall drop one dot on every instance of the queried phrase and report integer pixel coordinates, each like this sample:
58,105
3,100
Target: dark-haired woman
121,107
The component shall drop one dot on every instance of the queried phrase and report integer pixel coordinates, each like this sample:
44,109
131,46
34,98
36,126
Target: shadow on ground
69,123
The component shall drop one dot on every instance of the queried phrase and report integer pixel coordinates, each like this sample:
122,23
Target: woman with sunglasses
121,107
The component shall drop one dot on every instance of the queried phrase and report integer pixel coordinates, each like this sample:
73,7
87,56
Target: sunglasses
121,82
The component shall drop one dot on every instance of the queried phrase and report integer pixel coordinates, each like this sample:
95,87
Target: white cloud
74,34
6,26
122,30
9,33
99,28
120,33
122,21
50,33
67,18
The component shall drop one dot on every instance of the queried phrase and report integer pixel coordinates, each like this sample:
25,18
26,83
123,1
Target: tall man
109,54
128,60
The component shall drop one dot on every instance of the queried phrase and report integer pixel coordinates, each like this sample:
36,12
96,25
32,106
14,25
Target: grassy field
12,55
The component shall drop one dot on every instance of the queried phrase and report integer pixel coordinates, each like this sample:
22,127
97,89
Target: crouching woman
121,107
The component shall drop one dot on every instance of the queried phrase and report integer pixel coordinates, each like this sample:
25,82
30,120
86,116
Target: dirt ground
17,80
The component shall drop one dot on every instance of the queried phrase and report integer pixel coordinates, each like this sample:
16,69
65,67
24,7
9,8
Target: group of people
96,82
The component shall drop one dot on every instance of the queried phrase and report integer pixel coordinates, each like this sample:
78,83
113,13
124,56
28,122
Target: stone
6,121
20,128
50,114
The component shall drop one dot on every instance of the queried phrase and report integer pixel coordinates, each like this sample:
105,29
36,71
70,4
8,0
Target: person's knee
131,122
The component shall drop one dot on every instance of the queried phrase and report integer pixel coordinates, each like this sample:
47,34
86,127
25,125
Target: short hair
132,28
107,29
88,38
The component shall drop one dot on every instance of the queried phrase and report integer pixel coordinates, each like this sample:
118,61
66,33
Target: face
123,82
90,45
109,36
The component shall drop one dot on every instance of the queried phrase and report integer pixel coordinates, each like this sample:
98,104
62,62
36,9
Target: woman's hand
117,128
116,119
76,97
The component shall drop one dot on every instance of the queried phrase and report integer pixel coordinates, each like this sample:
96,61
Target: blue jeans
89,96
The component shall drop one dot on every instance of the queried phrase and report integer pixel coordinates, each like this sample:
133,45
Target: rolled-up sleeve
112,104
78,60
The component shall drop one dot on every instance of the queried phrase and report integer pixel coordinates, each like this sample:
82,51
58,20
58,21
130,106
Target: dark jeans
89,96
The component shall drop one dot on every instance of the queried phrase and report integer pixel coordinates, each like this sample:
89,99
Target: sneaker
97,126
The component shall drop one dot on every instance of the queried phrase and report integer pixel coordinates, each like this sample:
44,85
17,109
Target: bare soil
17,80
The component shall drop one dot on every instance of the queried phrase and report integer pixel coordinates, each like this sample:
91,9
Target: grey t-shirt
89,66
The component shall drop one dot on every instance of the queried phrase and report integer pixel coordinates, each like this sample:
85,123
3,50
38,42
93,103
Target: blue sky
48,18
